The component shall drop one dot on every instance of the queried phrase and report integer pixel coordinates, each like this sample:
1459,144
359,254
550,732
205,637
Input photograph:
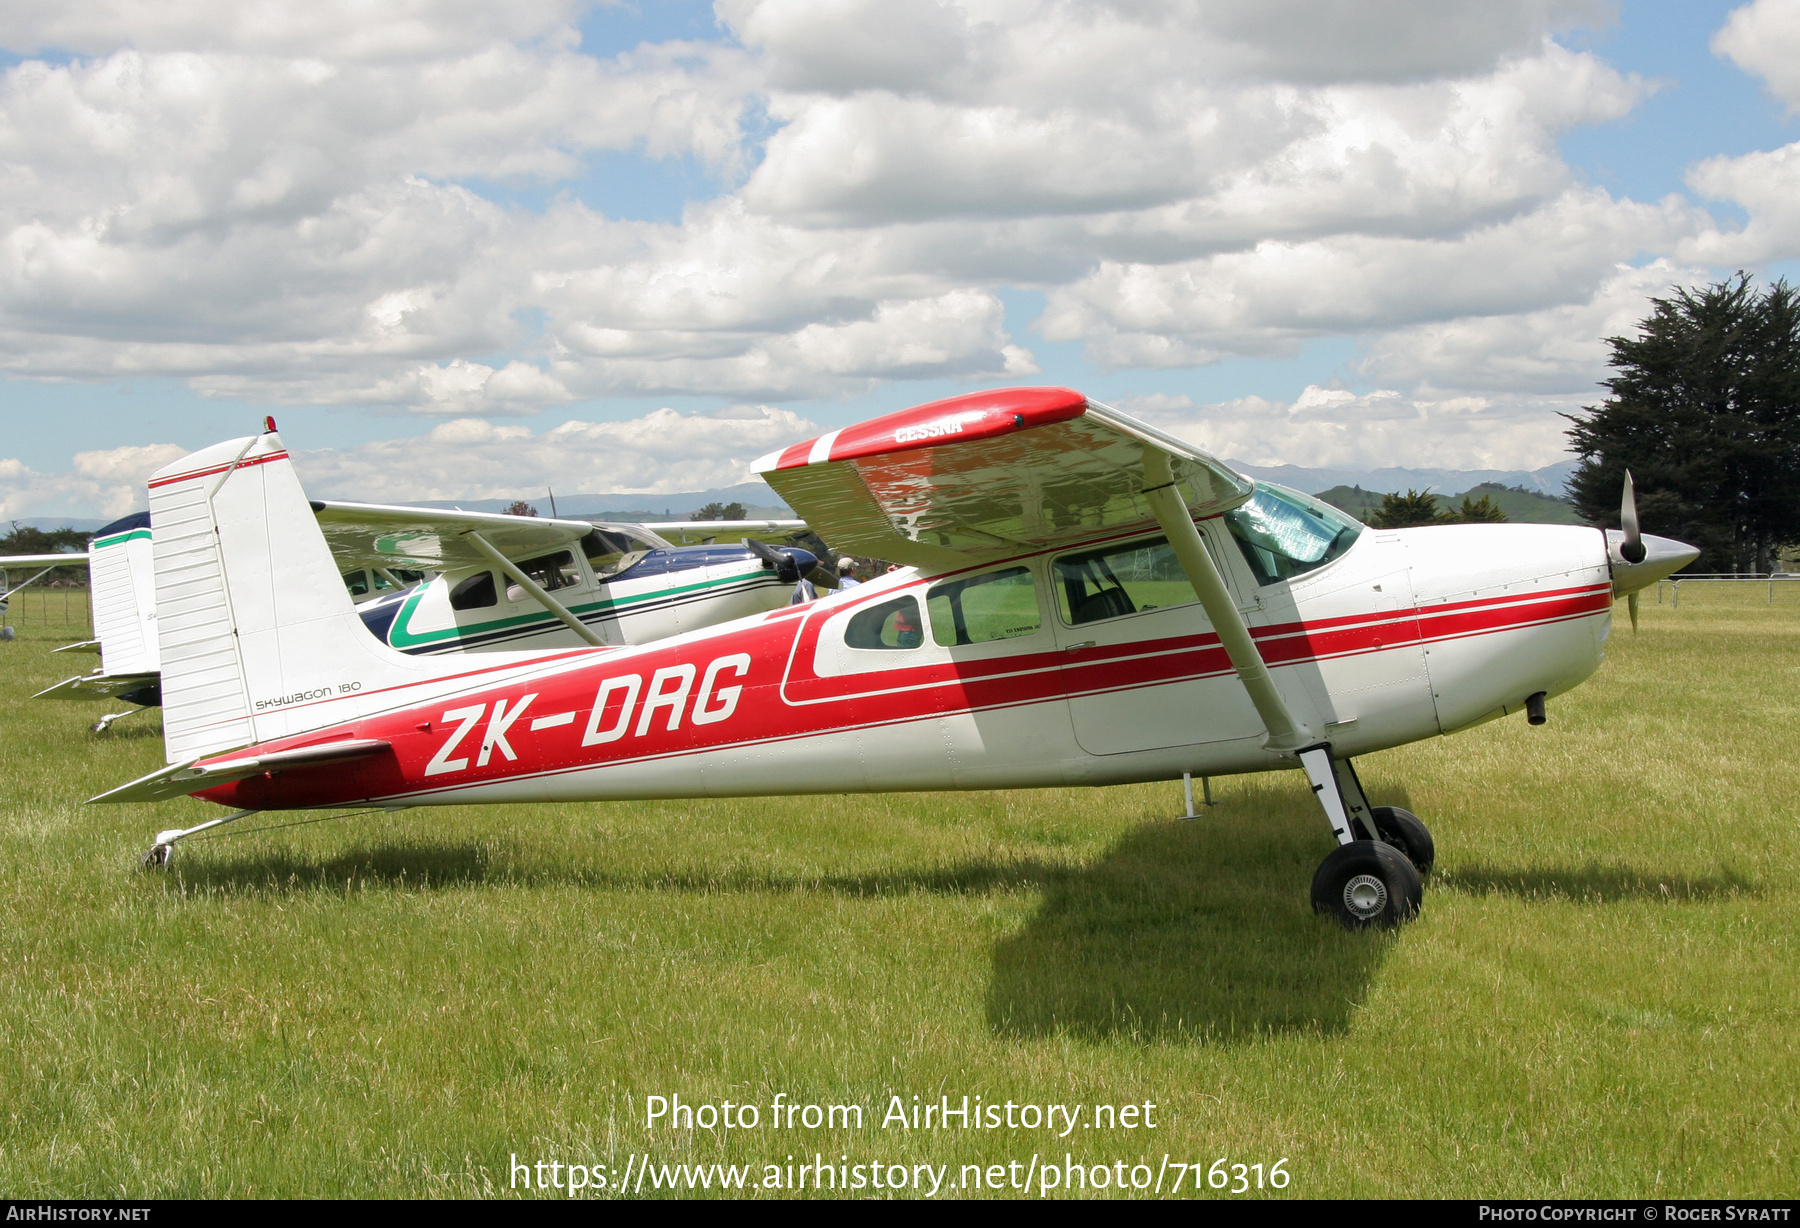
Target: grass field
1601,997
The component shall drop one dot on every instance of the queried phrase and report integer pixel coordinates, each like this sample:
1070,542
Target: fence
1771,579
49,605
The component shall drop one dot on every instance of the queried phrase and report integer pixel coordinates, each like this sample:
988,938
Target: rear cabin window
357,582
1284,534
892,624
1120,580
550,572
998,606
474,592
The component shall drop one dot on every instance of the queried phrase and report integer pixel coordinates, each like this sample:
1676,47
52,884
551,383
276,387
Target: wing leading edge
387,535
974,477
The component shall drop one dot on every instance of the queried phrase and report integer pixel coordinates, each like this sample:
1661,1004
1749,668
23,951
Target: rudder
257,633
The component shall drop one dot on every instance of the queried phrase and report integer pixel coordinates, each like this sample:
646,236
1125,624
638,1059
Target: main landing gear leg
1369,880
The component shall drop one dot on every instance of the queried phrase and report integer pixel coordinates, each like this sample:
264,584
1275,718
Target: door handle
1080,646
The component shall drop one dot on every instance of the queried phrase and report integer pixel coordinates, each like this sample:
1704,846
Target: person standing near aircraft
846,567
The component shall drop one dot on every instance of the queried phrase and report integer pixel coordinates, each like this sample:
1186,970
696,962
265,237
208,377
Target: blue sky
626,159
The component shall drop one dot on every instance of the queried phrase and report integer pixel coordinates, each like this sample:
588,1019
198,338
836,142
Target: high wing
43,560
958,482
707,532
975,477
437,539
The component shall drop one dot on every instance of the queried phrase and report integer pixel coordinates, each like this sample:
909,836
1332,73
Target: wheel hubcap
1365,896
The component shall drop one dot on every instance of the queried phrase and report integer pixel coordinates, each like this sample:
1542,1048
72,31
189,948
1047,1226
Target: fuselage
1012,674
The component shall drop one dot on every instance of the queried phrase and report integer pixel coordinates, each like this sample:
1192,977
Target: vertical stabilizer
258,636
122,582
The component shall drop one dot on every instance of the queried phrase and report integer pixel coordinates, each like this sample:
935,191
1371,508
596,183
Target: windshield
1284,533
612,550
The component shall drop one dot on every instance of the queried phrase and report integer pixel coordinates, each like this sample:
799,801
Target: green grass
1600,999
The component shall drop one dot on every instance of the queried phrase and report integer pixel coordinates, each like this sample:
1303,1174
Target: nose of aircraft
1662,557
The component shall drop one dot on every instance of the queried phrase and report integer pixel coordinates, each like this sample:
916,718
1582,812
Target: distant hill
1551,479
1353,499
1520,506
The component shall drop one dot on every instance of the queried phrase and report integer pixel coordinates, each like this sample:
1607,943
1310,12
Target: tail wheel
1403,830
1367,885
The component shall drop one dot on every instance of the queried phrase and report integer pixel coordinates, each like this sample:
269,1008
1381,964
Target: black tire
1403,830
1366,885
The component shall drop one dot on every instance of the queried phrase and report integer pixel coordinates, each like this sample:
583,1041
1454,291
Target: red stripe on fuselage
779,704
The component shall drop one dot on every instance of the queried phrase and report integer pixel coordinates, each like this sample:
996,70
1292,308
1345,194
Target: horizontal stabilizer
181,779
97,686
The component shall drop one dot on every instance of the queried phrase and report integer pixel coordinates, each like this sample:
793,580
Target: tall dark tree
1479,511
24,539
1705,412
1397,511
720,511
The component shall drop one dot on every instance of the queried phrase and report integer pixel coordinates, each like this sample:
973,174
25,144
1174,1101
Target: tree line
1419,507
1705,412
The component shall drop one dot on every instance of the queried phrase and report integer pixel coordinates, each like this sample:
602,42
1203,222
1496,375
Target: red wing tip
973,415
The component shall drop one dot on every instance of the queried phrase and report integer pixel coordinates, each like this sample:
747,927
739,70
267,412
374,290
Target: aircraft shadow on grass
1594,884
1196,932
1178,932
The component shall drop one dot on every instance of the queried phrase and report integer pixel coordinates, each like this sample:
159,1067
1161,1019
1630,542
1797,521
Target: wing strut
487,551
1285,733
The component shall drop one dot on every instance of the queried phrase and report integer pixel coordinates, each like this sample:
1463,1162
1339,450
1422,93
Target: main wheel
1403,830
1365,884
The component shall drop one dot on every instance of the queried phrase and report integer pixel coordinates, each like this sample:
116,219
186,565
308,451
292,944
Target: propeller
778,560
792,562
1632,548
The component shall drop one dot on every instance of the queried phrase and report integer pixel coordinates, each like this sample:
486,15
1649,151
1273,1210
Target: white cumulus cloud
392,207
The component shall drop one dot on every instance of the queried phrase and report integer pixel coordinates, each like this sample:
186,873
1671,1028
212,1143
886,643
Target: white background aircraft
522,582
1088,601
122,587
611,583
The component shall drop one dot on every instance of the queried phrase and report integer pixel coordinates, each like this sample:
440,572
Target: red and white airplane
1084,601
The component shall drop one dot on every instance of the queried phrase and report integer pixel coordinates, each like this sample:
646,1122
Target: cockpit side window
1120,580
891,624
1284,533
